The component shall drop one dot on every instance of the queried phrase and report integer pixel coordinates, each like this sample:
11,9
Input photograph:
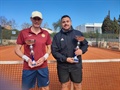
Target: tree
45,25
4,22
25,25
119,24
57,25
107,25
12,23
115,26
6,34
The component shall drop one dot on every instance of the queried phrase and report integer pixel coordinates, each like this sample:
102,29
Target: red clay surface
7,53
96,76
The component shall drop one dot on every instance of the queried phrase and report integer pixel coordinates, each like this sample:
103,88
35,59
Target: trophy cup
79,39
30,42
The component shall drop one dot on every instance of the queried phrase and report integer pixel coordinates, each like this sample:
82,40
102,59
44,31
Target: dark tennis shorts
29,78
74,74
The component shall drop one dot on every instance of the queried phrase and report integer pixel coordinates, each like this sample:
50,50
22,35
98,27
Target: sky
80,11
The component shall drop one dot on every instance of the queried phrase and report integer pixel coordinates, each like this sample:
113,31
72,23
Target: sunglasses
36,18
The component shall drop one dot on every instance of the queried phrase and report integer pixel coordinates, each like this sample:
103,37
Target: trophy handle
31,42
32,57
79,39
33,60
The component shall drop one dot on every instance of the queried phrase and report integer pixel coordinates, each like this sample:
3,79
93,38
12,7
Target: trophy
30,42
79,39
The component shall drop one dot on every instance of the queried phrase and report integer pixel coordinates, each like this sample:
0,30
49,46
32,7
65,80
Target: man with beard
64,50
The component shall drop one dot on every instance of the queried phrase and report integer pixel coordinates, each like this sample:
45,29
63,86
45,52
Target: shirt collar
38,33
64,31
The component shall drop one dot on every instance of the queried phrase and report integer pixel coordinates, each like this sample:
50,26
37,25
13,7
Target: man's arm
56,51
49,49
18,50
47,52
41,60
84,46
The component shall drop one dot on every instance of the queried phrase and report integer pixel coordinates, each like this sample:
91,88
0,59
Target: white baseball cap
36,14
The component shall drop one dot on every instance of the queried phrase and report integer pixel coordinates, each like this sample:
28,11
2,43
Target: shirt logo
43,35
62,39
47,82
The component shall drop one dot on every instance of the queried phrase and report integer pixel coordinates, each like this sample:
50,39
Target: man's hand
30,63
40,61
70,60
78,52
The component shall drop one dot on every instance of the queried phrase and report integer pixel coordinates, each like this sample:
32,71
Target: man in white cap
39,70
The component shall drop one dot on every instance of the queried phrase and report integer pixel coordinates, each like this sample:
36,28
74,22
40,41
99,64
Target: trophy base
33,63
76,60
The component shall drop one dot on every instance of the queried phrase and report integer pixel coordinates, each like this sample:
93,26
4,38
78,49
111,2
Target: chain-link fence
108,41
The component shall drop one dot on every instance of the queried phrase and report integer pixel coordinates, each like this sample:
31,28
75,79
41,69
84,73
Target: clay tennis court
7,53
96,75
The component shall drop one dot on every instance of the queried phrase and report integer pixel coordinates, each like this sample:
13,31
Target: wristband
26,58
46,56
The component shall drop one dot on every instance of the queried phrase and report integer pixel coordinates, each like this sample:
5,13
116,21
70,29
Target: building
90,27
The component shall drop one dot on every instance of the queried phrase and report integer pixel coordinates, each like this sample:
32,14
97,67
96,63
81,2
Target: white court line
11,62
101,60
54,61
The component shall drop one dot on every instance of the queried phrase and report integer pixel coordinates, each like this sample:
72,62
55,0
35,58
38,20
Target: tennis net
101,74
